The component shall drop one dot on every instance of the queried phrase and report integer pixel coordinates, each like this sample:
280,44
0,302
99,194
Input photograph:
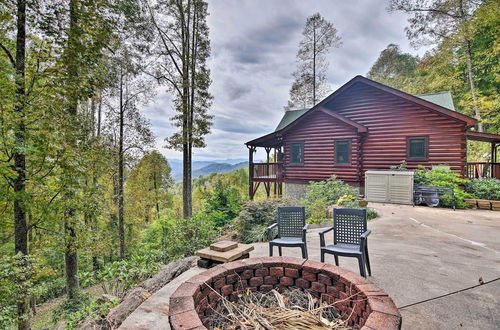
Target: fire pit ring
192,303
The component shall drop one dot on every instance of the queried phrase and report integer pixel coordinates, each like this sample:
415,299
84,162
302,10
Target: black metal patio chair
292,229
350,238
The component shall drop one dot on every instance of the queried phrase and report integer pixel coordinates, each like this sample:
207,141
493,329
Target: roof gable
442,99
291,118
441,103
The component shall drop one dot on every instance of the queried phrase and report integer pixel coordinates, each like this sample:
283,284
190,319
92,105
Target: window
417,147
296,153
342,152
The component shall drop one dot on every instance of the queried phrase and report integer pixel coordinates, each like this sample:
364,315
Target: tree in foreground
183,46
393,67
310,84
437,21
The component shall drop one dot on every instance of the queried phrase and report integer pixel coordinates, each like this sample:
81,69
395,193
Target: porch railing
483,170
266,171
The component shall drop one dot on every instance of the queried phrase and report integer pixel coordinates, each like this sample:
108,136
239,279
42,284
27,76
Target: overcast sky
254,43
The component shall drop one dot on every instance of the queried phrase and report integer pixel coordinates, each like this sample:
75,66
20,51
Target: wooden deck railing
483,170
266,171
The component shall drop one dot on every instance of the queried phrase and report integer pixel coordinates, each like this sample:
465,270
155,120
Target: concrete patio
417,253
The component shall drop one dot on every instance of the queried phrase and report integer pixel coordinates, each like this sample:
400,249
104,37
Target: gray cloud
254,43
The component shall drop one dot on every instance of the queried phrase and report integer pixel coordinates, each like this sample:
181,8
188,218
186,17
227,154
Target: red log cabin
365,125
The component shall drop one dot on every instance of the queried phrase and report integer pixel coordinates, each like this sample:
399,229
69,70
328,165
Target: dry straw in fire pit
292,309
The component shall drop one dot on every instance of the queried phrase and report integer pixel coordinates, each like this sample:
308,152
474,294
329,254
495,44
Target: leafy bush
96,310
170,238
443,177
16,283
50,289
223,204
321,195
484,188
70,306
121,275
256,216
349,202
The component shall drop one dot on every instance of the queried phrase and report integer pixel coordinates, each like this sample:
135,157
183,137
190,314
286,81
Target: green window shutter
296,153
342,151
417,147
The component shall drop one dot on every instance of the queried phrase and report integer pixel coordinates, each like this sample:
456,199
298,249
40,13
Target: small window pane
417,148
296,153
342,150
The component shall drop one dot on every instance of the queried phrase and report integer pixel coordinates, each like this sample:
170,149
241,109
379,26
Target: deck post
251,191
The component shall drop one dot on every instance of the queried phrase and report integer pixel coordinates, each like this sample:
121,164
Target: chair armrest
304,230
365,234
363,237
270,231
322,237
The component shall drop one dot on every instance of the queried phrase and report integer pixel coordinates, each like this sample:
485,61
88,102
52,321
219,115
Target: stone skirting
358,301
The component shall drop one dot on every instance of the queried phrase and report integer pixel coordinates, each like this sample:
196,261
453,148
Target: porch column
251,150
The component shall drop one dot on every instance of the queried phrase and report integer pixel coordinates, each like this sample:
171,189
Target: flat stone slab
225,256
223,246
153,312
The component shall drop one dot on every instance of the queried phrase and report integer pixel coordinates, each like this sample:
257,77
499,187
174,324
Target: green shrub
118,276
70,306
95,309
16,283
256,216
443,177
320,195
222,204
170,238
484,188
349,202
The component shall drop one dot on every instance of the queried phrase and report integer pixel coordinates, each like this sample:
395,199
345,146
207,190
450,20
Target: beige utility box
389,186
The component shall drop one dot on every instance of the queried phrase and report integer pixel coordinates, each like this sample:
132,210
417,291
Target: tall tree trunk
121,223
19,182
186,145
71,254
470,76
96,132
157,195
314,64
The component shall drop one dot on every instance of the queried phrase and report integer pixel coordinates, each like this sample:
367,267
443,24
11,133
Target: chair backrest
348,225
291,220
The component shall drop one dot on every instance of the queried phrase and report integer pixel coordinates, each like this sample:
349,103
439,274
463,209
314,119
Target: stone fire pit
365,306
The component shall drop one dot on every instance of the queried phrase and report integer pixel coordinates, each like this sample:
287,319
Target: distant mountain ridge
205,167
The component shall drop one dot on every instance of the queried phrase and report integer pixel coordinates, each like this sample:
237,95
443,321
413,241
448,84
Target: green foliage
351,203
16,284
400,167
393,67
171,238
253,220
96,310
223,204
321,195
70,306
488,188
442,176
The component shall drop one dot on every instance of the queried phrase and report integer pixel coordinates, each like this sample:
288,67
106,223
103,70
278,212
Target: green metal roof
289,117
443,99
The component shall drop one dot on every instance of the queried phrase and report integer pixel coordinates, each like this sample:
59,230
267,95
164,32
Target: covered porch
488,169
269,174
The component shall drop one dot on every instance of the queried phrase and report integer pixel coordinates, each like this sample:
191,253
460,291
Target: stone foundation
295,190
358,301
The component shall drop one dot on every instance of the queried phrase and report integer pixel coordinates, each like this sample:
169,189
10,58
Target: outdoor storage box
389,186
